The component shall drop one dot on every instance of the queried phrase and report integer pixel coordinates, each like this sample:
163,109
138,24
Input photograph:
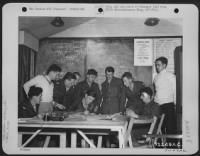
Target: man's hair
127,75
69,76
92,72
54,68
164,60
147,90
77,73
34,91
110,69
91,93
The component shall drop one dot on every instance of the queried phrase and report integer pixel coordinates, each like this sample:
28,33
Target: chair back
160,124
152,126
155,129
158,131
128,138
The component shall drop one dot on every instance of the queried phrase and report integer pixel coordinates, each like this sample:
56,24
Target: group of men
123,94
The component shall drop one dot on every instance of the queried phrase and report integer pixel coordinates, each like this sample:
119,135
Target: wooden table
89,122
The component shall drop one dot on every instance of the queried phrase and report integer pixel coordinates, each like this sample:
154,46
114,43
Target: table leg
47,140
63,138
121,139
130,141
73,139
99,144
19,139
83,143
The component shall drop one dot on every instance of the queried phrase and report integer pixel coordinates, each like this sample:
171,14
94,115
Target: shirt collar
163,71
48,79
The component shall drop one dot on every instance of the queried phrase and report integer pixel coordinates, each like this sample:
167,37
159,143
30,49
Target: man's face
146,98
55,75
126,81
59,76
38,98
69,83
159,66
91,78
77,79
109,75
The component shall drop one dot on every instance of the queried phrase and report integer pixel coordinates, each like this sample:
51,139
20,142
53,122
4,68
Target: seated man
29,108
150,110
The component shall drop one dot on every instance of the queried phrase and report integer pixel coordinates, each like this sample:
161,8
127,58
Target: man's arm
122,97
31,82
99,98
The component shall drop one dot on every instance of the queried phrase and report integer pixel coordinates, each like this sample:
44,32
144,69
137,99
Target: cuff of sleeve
54,103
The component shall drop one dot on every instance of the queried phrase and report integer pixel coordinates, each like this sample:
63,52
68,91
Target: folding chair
153,141
128,138
159,132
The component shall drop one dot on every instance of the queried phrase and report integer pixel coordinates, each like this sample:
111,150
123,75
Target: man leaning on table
45,82
132,92
82,88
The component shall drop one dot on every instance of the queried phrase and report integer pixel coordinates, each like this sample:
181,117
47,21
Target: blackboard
68,53
80,54
116,52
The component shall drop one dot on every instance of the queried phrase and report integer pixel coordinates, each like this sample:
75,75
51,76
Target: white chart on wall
165,47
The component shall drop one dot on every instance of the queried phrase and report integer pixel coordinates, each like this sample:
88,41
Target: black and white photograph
104,82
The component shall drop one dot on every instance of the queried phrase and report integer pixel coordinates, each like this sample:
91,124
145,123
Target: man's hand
96,109
59,106
131,113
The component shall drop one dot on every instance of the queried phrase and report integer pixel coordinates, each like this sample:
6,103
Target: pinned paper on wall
143,51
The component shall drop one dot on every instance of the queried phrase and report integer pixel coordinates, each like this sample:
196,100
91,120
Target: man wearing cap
82,88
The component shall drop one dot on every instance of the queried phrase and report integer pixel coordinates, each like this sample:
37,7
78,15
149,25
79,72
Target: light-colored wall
29,40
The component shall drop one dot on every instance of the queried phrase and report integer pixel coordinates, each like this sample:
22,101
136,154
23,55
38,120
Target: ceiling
40,27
